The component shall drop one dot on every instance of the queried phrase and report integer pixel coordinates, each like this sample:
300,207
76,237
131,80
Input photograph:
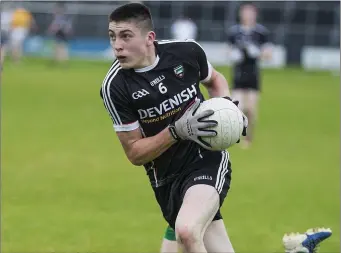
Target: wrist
173,133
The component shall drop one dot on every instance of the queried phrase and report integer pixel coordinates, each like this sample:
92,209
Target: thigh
200,204
216,239
205,188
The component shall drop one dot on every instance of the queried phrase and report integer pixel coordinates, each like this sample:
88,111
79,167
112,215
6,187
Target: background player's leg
169,243
251,109
200,204
239,94
216,239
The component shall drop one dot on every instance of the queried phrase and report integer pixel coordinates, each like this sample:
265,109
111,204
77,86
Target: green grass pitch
68,187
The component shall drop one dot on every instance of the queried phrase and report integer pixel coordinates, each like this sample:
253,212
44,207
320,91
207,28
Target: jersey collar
150,67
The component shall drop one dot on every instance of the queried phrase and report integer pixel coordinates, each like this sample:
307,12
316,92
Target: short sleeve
118,106
204,65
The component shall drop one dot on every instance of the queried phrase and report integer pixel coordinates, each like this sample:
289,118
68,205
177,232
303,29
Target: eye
126,36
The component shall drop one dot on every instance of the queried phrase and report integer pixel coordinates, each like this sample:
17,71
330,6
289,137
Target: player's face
129,43
248,15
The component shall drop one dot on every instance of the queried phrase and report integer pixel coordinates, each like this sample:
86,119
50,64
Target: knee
187,234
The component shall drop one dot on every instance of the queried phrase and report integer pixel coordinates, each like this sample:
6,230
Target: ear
150,38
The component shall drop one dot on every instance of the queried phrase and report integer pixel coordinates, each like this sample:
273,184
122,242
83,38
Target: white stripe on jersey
106,93
223,169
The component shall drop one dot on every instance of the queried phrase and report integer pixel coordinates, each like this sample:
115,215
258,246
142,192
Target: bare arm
141,150
217,86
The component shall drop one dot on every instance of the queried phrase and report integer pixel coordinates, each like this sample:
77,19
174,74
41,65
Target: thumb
195,106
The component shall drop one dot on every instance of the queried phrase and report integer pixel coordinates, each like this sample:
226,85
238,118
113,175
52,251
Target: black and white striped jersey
152,97
239,37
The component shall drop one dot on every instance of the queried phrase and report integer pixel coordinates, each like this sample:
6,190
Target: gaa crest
179,71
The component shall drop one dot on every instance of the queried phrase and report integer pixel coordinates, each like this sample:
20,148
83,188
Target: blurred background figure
60,29
184,28
22,23
6,20
249,43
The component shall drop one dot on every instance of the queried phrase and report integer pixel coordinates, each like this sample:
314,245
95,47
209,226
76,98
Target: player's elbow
134,159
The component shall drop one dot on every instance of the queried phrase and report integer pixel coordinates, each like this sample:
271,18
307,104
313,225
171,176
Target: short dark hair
135,12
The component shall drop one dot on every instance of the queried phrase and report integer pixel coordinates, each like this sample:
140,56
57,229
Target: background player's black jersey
153,97
239,37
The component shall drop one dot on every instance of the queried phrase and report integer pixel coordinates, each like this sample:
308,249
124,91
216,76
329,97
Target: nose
118,46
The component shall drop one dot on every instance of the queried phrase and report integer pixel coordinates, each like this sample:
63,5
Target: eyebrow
123,31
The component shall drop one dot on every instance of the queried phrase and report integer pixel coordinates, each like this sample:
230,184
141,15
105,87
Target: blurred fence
297,28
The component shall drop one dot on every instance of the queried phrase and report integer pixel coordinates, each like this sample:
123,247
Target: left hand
252,50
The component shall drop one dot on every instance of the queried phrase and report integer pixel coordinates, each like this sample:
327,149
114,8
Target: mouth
121,58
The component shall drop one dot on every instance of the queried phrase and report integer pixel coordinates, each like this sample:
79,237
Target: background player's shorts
214,168
61,37
247,85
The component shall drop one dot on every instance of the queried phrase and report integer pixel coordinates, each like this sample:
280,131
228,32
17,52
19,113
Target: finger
245,121
244,131
205,114
195,106
206,133
207,123
203,143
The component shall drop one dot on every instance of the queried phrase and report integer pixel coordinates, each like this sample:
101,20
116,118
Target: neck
248,26
149,59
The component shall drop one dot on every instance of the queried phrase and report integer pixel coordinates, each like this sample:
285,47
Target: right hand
192,126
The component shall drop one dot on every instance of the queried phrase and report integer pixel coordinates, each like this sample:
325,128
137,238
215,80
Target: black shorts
213,168
61,37
247,85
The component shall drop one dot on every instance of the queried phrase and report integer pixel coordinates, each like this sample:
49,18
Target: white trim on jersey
150,67
106,93
127,127
209,75
223,169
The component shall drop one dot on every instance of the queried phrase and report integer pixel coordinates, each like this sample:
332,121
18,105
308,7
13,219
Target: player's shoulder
113,78
179,47
234,29
261,29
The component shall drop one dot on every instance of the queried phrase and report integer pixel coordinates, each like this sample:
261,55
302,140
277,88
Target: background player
60,29
151,94
22,23
248,43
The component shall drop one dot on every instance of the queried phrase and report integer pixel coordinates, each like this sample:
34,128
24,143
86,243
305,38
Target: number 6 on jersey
162,89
